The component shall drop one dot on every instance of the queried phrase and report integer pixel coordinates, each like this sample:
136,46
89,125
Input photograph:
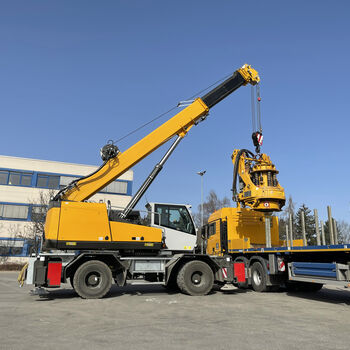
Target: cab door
178,226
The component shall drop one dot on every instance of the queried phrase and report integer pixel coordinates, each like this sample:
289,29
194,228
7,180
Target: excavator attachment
258,185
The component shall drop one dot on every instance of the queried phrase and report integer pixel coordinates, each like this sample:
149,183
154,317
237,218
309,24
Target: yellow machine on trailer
258,196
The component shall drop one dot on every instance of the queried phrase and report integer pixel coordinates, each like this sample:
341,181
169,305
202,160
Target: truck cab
176,221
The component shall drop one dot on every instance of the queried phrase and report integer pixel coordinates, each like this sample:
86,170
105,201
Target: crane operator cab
177,223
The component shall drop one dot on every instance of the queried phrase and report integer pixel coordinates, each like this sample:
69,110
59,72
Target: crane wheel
92,280
195,278
258,277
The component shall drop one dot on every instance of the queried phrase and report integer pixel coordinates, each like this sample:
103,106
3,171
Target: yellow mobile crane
72,223
100,247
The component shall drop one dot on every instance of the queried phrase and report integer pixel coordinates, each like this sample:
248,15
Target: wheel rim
257,277
93,280
196,278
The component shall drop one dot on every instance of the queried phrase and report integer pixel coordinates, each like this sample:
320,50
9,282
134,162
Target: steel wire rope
258,107
171,109
253,108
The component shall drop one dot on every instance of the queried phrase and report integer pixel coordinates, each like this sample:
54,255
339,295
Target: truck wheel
258,277
195,278
92,280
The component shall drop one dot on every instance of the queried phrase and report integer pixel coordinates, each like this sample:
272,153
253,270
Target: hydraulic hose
64,189
235,171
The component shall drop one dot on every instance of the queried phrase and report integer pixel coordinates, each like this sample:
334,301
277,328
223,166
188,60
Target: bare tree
212,203
289,209
35,228
343,231
8,243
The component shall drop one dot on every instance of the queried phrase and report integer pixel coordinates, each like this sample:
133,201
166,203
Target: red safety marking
281,266
224,272
54,271
239,271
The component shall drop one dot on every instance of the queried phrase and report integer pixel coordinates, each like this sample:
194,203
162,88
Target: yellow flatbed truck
249,234
240,234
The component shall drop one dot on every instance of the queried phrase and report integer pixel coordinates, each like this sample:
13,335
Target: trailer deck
297,249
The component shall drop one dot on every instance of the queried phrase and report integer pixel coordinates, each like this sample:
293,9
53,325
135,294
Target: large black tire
92,280
259,277
195,278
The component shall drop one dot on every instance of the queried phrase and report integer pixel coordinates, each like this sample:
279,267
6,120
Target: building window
15,178
66,180
4,175
12,211
5,251
48,181
116,187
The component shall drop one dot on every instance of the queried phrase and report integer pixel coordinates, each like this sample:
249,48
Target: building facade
25,187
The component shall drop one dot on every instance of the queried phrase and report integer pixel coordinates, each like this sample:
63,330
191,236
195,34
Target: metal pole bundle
287,236
335,231
303,227
268,230
330,225
323,234
291,229
318,239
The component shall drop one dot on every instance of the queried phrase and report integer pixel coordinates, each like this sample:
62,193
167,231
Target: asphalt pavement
149,317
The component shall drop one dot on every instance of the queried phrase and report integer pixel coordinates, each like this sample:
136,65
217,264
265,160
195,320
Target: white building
22,180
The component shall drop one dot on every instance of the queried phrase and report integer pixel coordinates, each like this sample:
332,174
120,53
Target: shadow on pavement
68,293
326,295
332,296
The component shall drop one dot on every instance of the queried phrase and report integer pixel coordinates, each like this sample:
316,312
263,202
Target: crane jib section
115,167
179,125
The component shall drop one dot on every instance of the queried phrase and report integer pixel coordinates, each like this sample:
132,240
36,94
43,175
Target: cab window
175,217
212,229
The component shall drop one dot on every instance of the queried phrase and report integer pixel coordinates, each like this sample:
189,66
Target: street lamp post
201,173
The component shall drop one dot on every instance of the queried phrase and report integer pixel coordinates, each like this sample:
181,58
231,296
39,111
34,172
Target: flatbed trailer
305,268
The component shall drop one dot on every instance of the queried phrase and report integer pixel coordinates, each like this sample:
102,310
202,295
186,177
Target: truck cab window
175,217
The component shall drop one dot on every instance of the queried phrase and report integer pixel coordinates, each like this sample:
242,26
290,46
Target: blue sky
76,74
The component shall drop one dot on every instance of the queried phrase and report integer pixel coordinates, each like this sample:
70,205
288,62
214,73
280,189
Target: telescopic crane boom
178,125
